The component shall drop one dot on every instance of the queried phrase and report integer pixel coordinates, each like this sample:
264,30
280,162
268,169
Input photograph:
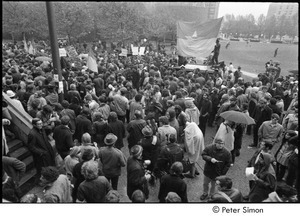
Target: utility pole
54,45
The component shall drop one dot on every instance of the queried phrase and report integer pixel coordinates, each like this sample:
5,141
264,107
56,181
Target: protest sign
123,53
62,52
142,51
135,51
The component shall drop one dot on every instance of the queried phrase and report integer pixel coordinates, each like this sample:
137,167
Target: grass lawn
252,57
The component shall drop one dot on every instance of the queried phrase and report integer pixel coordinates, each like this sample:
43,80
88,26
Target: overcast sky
243,8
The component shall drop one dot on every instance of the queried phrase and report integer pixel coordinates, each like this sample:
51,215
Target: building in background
279,9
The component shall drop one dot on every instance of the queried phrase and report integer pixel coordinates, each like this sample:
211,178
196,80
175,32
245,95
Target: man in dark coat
63,137
38,144
70,113
116,127
83,125
98,84
217,162
261,113
135,128
173,183
136,176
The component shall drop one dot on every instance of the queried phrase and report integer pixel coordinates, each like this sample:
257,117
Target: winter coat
212,170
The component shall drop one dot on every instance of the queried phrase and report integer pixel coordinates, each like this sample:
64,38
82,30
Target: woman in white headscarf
194,143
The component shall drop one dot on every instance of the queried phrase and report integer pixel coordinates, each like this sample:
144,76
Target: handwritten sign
62,52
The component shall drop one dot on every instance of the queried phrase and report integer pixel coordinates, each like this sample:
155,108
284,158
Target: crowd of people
78,134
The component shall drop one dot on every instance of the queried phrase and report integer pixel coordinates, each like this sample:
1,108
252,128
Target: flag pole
54,44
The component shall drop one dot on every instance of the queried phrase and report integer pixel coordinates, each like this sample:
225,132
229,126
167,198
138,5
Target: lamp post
54,45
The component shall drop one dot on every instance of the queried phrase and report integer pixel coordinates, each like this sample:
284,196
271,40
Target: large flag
25,44
91,61
195,39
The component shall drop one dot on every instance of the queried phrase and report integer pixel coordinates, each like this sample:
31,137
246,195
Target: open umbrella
237,117
43,58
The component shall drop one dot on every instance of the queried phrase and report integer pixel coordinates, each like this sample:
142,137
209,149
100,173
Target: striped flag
91,61
196,39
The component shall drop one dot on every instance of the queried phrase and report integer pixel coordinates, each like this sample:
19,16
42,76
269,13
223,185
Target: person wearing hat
57,186
134,129
137,178
150,144
69,112
15,102
112,160
292,178
271,130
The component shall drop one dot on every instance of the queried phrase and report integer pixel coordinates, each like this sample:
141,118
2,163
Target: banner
91,61
124,52
195,39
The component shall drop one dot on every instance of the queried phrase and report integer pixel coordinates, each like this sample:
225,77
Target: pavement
194,186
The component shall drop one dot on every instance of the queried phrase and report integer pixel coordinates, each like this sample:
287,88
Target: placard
135,51
62,52
142,51
124,52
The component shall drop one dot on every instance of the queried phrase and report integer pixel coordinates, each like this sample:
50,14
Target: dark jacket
212,170
262,115
83,125
41,149
100,129
117,127
63,140
136,177
134,129
172,183
72,116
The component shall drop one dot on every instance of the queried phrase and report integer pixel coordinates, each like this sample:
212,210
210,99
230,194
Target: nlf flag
195,39
91,61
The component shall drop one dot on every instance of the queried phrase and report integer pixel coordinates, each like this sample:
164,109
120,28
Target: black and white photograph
193,103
